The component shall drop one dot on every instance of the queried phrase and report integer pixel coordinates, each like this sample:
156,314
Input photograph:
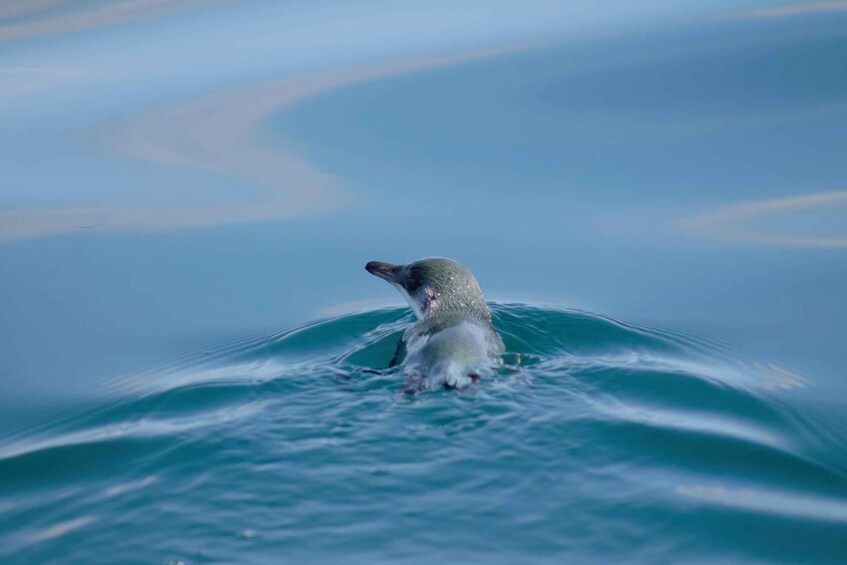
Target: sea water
599,439
194,362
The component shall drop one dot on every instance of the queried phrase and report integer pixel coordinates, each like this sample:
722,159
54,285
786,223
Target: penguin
453,341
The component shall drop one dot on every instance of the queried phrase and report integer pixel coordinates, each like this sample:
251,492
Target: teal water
192,357
599,439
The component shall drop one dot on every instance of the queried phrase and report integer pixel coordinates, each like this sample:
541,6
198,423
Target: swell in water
598,439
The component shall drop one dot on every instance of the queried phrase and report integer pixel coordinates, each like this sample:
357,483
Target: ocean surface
599,439
194,362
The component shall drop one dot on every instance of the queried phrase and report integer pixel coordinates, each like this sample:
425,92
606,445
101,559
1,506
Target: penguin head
434,286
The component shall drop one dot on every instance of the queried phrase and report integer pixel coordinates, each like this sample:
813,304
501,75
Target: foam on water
598,440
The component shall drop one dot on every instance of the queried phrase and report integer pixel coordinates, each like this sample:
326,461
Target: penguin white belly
450,356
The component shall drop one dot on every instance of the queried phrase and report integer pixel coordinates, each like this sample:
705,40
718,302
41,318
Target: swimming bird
453,341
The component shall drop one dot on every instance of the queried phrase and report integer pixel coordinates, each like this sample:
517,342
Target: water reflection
774,503
742,222
35,18
222,133
62,528
797,9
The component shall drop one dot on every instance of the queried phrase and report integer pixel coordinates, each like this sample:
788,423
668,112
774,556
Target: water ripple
297,435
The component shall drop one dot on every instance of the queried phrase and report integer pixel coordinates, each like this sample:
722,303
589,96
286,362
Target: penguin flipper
399,353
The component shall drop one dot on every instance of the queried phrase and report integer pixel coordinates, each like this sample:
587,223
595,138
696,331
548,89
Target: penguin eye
414,281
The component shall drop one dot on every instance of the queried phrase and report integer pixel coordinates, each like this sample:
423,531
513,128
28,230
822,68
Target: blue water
596,436
193,359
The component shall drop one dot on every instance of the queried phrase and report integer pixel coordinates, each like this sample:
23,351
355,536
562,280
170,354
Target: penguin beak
386,271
